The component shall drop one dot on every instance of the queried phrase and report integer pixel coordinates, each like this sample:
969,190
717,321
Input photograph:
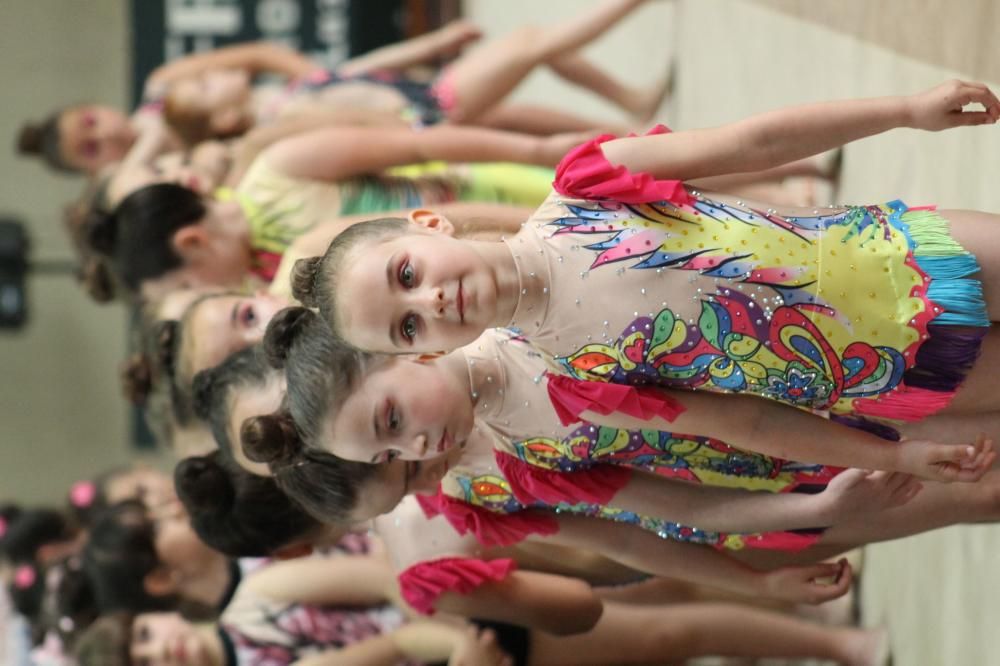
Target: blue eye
408,327
393,420
406,274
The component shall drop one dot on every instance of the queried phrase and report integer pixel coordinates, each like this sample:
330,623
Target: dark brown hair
314,280
43,140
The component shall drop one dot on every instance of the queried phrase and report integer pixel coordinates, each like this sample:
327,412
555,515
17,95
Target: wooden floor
937,592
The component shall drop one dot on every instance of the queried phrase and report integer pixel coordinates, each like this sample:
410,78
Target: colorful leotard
532,462
859,311
280,208
266,632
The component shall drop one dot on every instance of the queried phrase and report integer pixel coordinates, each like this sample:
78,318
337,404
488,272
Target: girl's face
419,292
401,409
177,545
177,168
143,483
92,136
222,325
167,639
394,480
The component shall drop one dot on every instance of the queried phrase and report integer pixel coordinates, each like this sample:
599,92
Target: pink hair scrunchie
3,527
82,494
24,577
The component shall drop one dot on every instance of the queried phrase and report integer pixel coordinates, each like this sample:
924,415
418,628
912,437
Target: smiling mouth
460,303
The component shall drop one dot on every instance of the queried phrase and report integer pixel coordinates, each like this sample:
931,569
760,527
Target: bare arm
348,581
645,551
254,57
551,603
416,51
782,431
337,153
777,137
733,510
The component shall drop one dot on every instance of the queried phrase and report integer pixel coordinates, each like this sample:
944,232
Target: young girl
711,293
668,629
158,228
282,633
221,102
487,411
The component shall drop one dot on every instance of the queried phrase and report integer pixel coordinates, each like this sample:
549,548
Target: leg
484,76
650,635
640,102
658,591
978,394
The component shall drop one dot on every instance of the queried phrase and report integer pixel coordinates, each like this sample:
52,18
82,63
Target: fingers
981,93
844,578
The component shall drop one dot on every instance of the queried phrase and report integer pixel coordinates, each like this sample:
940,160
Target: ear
294,551
159,582
190,240
432,221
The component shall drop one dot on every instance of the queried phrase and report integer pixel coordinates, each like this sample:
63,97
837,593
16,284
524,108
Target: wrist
904,111
821,509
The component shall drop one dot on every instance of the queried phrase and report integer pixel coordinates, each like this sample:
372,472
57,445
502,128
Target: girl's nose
434,301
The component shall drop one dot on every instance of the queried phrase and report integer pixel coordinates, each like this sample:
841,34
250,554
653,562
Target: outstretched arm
733,510
358,580
254,57
337,153
777,137
645,551
782,431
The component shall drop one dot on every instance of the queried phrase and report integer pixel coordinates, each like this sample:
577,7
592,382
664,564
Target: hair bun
304,280
203,486
137,378
165,334
282,331
203,389
30,139
101,233
270,439
97,280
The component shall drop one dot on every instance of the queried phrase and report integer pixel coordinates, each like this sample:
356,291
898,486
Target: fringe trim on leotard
955,321
424,583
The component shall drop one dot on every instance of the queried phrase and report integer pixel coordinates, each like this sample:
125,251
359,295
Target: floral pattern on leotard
782,321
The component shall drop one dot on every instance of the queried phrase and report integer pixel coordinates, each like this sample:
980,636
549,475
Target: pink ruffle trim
531,484
790,542
585,173
489,528
443,90
422,584
571,397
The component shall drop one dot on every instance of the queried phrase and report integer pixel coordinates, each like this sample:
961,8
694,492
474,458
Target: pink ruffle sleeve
571,397
585,173
422,584
531,484
489,528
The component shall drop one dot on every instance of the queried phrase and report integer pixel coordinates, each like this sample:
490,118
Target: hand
479,648
941,107
947,462
460,33
855,491
799,584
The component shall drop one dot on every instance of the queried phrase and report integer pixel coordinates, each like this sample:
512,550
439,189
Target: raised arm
254,57
777,137
337,153
778,430
733,510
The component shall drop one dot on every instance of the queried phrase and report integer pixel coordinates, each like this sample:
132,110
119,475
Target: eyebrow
393,333
233,314
377,429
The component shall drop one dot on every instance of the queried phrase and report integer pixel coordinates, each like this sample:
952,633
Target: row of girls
497,423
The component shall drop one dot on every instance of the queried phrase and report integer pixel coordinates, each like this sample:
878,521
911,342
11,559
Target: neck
214,651
210,584
499,258
456,366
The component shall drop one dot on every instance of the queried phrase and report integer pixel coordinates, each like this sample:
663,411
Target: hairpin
24,576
